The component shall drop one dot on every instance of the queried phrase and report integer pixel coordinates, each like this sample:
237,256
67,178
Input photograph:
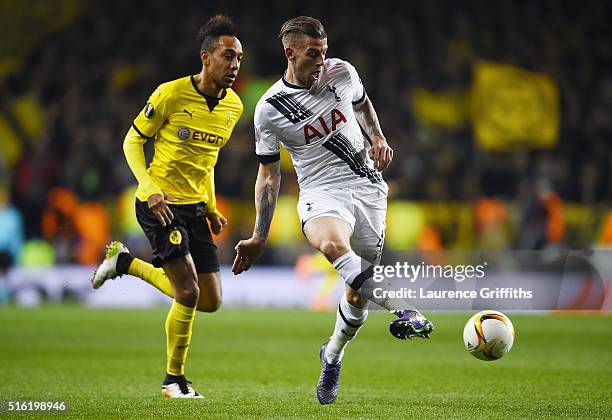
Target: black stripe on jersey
140,132
289,107
265,159
360,100
339,145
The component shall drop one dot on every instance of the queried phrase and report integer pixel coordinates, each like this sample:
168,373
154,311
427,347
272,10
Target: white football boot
180,389
108,269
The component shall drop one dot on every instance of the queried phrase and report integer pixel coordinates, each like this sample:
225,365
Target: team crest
183,133
175,237
332,89
230,119
149,111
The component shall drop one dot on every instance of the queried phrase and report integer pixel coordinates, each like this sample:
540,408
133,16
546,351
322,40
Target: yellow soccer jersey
189,128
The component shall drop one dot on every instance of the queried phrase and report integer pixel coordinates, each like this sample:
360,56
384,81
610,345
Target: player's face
224,62
308,58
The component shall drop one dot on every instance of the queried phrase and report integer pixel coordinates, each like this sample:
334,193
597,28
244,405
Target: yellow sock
178,335
156,277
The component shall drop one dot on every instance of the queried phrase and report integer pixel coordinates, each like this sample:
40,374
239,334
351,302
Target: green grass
264,363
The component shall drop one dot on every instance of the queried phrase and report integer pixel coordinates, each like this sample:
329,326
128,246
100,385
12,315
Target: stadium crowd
71,102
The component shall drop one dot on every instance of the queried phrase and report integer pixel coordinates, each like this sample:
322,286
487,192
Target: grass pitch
264,363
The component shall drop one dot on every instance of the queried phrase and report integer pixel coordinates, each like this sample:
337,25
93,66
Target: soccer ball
488,335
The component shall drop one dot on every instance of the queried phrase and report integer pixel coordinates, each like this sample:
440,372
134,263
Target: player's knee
333,249
210,304
188,291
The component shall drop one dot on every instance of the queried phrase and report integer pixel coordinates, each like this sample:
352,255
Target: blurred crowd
70,104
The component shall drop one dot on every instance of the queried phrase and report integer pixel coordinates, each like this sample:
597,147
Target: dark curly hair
210,32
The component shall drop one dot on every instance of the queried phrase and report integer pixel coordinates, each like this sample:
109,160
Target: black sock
124,260
169,379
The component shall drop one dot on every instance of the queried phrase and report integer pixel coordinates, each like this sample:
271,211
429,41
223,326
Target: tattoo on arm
265,201
367,118
265,211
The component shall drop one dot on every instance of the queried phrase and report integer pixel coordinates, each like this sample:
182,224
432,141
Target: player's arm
266,194
217,220
380,152
145,126
133,148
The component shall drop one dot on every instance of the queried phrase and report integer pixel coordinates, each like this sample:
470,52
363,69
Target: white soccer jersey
318,128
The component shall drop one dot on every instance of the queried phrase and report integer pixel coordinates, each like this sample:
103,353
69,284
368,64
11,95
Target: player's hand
381,154
247,252
217,222
157,204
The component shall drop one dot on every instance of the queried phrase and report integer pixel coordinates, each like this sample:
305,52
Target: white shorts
364,208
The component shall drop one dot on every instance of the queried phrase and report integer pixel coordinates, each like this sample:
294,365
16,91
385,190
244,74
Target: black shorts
188,234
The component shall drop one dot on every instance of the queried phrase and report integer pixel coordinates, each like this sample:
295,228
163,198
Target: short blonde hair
301,26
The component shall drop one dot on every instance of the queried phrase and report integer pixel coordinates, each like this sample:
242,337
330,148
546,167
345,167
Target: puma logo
190,113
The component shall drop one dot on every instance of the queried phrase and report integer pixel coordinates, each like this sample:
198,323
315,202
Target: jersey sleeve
267,143
359,92
211,204
134,153
154,114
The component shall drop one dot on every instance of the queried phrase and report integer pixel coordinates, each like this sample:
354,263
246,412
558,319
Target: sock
358,273
171,379
156,277
124,259
178,335
349,320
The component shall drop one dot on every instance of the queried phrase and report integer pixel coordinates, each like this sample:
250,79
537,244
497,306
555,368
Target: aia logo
315,131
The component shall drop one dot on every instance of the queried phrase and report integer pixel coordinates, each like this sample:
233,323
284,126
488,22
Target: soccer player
190,119
317,111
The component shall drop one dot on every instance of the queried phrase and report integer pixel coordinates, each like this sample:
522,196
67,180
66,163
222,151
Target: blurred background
500,116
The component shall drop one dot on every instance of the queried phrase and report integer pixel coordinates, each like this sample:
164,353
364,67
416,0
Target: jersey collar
211,101
291,85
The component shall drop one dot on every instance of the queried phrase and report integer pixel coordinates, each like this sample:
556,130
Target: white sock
357,273
350,266
348,321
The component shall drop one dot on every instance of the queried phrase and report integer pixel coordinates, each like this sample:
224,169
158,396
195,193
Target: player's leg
196,287
178,279
370,206
351,314
210,292
199,287
206,260
209,283
181,272
331,236
118,260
